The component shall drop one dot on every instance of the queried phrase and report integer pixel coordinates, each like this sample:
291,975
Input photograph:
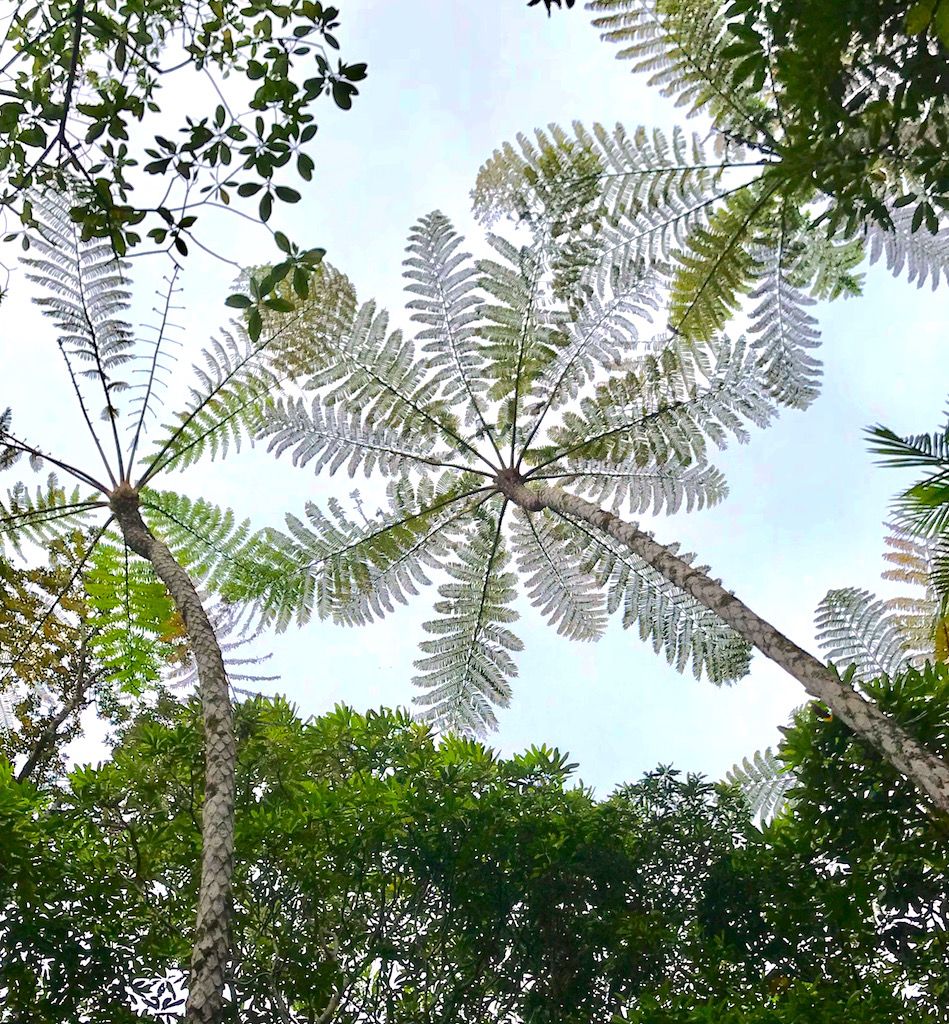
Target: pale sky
449,82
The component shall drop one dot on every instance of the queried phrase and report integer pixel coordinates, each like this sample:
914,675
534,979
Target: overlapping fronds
335,436
784,333
333,566
468,663
567,594
923,256
43,513
517,336
856,629
675,623
718,266
680,46
88,294
660,412
210,542
448,305
378,372
237,633
766,783
135,629
223,409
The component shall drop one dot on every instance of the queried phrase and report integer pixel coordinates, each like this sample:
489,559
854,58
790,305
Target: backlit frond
855,628
336,436
88,287
918,609
924,256
680,46
652,488
468,660
224,408
445,282
675,623
660,412
40,515
210,542
557,584
765,782
335,567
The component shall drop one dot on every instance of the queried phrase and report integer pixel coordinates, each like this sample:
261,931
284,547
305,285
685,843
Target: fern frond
236,633
468,660
918,611
674,622
718,266
86,295
208,541
517,337
567,596
652,488
44,514
132,619
448,305
661,413
225,407
680,46
337,435
784,332
765,782
924,256
335,567
855,628
601,336
380,374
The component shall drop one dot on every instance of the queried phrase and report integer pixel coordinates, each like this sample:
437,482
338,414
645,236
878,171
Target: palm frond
674,622
855,628
765,782
567,595
468,661
923,508
41,515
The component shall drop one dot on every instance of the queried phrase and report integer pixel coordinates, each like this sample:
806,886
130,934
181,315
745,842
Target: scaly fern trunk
926,771
211,950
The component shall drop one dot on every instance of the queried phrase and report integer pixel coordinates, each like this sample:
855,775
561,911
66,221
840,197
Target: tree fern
505,381
923,255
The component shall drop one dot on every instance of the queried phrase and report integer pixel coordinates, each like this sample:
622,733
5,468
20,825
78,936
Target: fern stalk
928,773
211,951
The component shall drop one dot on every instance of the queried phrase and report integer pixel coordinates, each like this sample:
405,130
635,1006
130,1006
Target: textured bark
211,951
924,769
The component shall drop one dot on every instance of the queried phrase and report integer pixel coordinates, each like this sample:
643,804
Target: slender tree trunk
211,951
924,769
